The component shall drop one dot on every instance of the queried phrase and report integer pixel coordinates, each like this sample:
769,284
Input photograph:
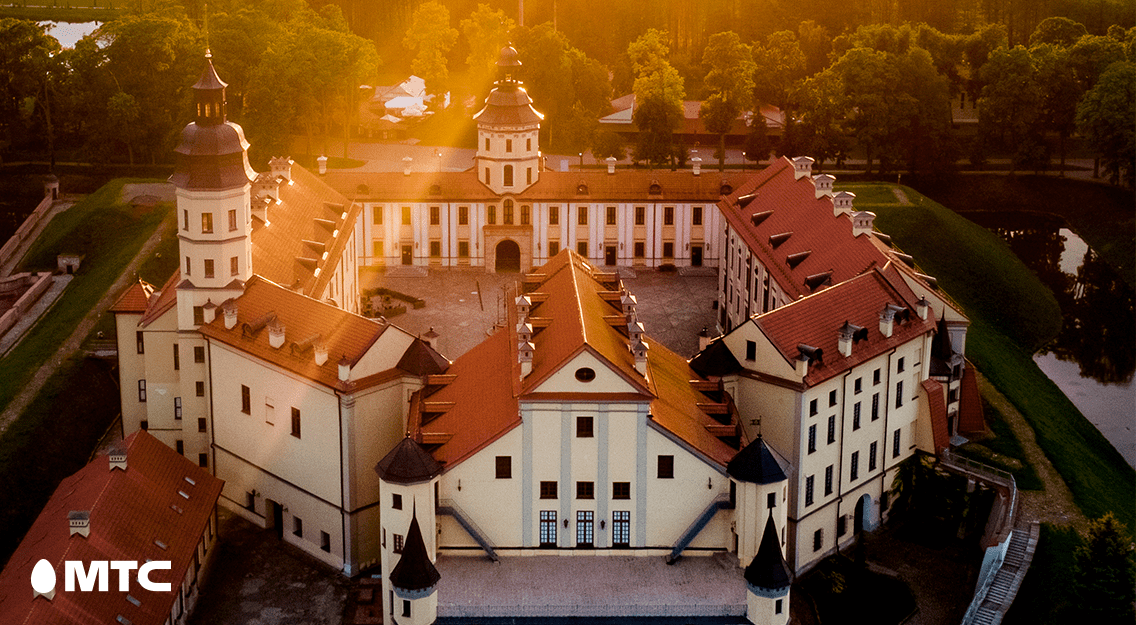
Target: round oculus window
585,374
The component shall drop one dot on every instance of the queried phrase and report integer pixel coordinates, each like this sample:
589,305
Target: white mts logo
98,573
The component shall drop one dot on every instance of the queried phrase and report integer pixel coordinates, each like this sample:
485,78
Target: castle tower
508,154
408,482
759,482
213,179
767,581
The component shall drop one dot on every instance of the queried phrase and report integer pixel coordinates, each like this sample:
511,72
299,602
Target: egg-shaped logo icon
43,579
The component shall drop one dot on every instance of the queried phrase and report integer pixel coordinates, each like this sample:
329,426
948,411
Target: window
508,182
585,528
208,267
668,249
841,525
377,215
582,248
553,215
508,145
198,315
666,467
668,216
548,528
899,365
200,388
435,249
856,416
463,249
396,501
507,209
188,265
463,215
831,429
199,354
246,400
875,406
828,480
185,220
177,358
525,215
585,374
325,541
504,467
206,223
250,501
872,456
487,144
621,490
377,249
179,446
899,394
297,527
406,215
234,266
177,409
858,386
585,490
553,248
832,398
491,214
696,216
809,490
203,461
640,215
895,444
201,424
875,377
611,215
487,178
232,220
640,249
145,425
854,470
812,438
399,543
548,490
777,607
818,539
771,500
582,215
528,175
435,215
813,410
142,390
584,427
141,345
751,350
621,528
296,422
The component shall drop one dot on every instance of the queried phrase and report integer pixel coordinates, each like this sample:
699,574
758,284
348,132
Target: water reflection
1099,325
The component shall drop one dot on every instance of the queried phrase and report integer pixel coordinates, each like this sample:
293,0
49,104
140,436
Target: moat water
1094,357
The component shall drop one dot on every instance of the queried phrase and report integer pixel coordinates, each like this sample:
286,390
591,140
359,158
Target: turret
768,580
760,487
508,154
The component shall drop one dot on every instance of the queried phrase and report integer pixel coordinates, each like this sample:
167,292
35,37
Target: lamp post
743,160
581,159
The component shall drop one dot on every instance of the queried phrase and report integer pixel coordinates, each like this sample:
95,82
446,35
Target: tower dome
508,127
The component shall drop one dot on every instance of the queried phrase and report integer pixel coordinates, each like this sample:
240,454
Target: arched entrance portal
508,256
862,520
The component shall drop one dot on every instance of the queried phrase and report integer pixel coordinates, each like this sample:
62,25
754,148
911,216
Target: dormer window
655,189
581,189
726,188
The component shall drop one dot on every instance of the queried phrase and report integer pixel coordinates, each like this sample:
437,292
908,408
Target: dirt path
75,340
1055,503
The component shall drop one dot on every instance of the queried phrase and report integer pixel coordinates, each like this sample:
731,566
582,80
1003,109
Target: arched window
508,176
507,205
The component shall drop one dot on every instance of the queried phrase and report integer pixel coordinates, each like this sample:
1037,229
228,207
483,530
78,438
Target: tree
778,65
730,82
25,64
1103,574
659,92
758,144
1009,104
1060,92
1059,31
1092,55
1105,117
486,31
818,129
431,38
656,120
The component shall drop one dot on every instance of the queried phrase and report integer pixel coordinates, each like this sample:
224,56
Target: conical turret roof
408,463
768,568
756,464
414,570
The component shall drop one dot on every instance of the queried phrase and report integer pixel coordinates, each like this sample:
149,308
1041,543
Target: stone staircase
1019,555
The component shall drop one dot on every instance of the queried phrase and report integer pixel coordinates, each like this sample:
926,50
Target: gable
768,359
566,379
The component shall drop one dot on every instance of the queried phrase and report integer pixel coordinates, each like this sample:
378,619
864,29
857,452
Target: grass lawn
108,234
1012,314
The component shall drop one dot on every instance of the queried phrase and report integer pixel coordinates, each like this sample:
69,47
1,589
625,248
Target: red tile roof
135,299
816,320
970,402
304,319
480,401
130,510
166,300
938,407
796,210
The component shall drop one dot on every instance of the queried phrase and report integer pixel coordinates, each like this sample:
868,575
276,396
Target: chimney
117,457
639,350
842,203
887,320
229,309
322,164
406,163
524,332
276,334
802,365
635,331
921,307
824,184
703,339
320,350
802,167
431,338
80,522
281,167
260,205
610,164
630,303
525,357
564,164
696,162
862,222
210,310
524,304
847,337
344,369
809,354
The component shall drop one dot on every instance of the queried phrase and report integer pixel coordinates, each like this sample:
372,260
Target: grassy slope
1047,583
1012,314
109,236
